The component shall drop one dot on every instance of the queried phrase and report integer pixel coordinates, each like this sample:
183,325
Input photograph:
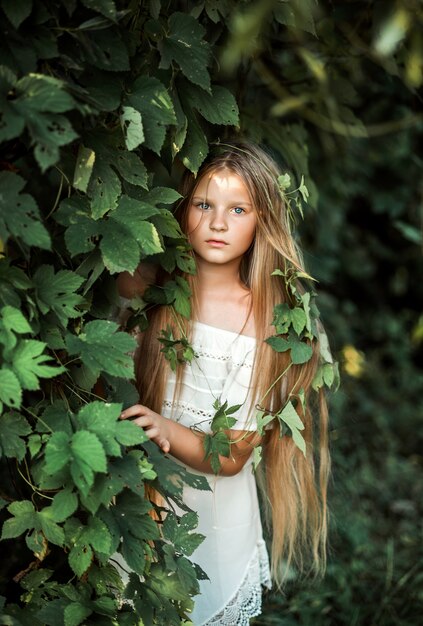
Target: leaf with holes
19,214
185,45
151,98
132,127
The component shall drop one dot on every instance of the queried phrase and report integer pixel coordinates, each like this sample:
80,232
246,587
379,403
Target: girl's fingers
134,411
164,445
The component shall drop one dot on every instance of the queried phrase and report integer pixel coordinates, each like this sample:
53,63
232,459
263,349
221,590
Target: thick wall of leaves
97,100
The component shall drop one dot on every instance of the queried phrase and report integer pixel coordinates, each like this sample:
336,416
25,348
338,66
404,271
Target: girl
236,221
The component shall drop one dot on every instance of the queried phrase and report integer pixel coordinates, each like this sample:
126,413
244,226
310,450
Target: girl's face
221,218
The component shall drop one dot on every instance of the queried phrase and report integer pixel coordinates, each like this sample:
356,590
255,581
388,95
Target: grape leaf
12,427
290,417
103,420
185,45
28,363
56,292
19,214
150,97
301,352
101,348
217,107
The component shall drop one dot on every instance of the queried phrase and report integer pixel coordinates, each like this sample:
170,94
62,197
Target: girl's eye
203,205
238,210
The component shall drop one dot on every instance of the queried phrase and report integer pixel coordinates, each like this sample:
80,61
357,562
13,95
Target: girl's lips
216,242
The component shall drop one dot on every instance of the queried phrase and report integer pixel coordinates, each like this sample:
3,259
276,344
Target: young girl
235,218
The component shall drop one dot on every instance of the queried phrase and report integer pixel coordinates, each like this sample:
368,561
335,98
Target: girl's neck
218,279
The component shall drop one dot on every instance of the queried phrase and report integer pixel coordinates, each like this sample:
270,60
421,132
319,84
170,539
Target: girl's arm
130,285
186,445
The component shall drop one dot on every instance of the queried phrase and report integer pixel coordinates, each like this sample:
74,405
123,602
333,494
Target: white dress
233,554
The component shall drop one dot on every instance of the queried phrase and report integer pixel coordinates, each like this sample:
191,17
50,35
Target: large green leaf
103,420
185,45
56,292
82,453
195,147
19,215
17,12
217,107
124,236
150,97
101,348
12,428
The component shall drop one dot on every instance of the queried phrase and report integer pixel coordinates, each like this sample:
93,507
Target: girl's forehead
221,180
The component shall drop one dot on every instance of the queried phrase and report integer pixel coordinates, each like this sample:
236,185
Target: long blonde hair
294,491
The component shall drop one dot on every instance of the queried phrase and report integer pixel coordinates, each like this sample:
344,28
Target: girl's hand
156,426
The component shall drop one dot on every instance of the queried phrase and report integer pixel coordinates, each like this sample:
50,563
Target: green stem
274,383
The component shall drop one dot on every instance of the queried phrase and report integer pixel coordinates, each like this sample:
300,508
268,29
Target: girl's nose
218,220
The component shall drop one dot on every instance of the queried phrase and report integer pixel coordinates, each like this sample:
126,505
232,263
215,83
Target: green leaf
19,215
301,352
10,389
75,613
284,181
13,319
24,518
56,292
80,558
57,453
106,8
101,348
63,506
131,123
28,363
181,535
88,456
12,428
216,445
104,188
128,471
106,50
52,531
151,98
131,168
290,417
217,107
103,420
17,12
43,93
185,45
83,168
195,147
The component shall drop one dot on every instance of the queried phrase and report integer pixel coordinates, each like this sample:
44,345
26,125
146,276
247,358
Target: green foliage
102,105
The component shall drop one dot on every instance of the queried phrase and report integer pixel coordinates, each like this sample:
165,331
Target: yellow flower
353,361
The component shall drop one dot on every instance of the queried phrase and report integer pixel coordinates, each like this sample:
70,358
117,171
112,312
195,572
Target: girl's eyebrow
210,201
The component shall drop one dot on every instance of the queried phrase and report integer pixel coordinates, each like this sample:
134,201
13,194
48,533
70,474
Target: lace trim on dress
218,356
188,408
246,602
